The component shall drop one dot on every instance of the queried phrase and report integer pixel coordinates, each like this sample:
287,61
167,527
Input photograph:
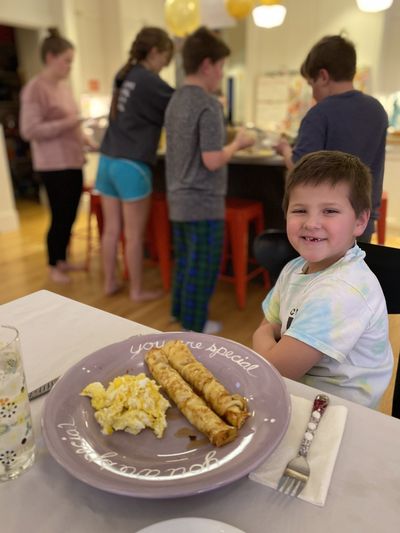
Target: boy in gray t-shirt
196,178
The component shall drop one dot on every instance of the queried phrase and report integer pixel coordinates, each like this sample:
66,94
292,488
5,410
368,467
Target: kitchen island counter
251,177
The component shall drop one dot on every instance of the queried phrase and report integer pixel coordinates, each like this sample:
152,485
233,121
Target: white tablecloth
57,332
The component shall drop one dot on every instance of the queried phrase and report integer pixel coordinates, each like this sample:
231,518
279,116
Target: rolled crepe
231,407
190,405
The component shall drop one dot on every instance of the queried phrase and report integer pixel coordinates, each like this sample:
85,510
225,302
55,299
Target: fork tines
292,482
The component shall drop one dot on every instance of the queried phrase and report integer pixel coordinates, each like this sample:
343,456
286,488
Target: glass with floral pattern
17,444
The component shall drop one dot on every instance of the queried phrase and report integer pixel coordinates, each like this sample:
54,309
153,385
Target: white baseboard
9,220
393,225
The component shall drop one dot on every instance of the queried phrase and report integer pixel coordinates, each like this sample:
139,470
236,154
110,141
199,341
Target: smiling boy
326,320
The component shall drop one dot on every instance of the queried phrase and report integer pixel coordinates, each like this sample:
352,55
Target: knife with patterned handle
43,389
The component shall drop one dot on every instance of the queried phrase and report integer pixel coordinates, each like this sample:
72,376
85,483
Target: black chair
272,250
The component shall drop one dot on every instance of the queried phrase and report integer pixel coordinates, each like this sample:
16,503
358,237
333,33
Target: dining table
57,332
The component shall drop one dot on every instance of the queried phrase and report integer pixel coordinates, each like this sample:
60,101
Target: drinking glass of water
17,444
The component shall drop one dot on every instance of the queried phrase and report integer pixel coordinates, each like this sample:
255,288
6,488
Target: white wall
136,14
391,186
105,31
113,47
388,70
88,19
235,67
9,220
28,13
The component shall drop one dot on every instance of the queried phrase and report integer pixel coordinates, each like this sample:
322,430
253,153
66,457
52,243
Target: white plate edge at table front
196,525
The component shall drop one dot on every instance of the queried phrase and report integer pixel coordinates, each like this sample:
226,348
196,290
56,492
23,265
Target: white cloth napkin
322,454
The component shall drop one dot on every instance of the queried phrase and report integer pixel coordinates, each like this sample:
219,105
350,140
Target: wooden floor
23,270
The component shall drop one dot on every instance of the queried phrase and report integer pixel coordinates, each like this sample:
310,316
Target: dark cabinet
18,151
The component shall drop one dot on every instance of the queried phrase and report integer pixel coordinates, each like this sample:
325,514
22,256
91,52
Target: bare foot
58,276
111,289
212,327
64,266
144,296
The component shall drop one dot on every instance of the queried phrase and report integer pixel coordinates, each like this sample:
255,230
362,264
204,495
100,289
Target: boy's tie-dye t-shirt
340,311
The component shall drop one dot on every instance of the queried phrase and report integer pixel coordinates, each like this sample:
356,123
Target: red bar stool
240,213
159,236
94,210
381,223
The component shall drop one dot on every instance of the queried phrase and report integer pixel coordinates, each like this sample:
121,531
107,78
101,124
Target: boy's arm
284,149
266,330
217,159
312,134
311,138
291,357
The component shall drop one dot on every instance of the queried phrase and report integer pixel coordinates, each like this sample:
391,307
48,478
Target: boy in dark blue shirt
343,119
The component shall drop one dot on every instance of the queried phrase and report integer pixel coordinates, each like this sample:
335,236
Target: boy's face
214,74
319,85
321,223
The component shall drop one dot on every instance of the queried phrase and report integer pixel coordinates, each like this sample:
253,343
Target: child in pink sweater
50,121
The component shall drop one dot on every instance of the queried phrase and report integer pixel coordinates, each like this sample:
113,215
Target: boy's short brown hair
202,44
335,54
332,167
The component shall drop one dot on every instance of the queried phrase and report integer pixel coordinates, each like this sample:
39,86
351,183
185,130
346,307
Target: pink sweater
49,120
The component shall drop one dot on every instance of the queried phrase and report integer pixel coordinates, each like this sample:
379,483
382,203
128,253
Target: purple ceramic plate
178,464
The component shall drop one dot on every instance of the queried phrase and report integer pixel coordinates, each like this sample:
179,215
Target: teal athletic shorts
123,179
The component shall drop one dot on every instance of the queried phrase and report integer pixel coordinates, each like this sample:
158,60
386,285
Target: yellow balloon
182,16
239,9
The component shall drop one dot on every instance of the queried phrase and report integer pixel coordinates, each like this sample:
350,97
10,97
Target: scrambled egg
130,403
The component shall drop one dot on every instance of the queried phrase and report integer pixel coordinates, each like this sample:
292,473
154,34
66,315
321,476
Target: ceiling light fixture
269,14
373,6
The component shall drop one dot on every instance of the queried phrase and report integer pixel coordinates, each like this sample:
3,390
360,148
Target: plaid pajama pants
198,250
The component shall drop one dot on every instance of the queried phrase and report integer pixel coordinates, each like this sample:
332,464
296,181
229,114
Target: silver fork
297,471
